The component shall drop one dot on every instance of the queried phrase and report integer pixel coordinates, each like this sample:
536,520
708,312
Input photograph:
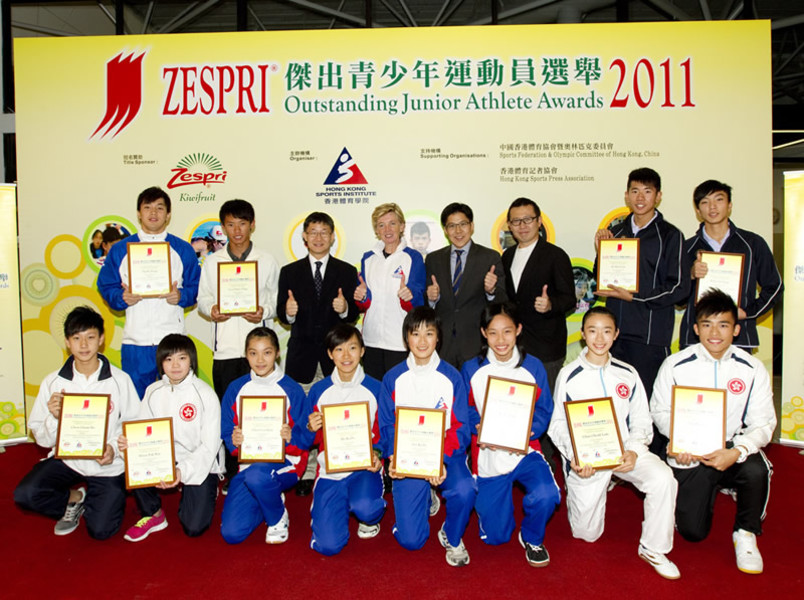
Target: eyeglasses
316,233
453,226
522,221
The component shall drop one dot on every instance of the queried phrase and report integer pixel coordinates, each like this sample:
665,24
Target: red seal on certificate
623,391
187,412
736,386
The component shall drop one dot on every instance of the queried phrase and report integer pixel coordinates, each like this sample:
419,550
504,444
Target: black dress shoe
304,487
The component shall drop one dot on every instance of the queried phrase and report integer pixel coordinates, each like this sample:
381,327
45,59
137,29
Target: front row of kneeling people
679,492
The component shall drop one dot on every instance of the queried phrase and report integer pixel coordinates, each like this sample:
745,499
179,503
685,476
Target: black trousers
225,372
377,362
46,490
196,507
697,490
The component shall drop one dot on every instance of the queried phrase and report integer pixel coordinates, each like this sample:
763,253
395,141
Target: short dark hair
174,343
710,186
419,228
714,302
111,234
152,194
318,217
523,202
487,316
263,332
421,315
340,334
237,209
645,176
599,310
456,207
82,318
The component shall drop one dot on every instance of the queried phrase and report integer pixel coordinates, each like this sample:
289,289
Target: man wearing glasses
461,279
539,280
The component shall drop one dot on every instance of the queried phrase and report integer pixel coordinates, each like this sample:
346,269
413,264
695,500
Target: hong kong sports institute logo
123,94
345,171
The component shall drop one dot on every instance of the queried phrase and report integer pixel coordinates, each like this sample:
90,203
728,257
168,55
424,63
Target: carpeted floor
36,564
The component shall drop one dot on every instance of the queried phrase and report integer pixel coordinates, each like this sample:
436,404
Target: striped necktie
456,278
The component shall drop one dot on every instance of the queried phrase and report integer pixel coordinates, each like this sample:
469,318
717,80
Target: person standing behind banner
392,280
717,233
462,279
229,331
148,320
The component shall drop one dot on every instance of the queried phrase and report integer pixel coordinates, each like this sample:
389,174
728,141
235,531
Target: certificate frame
432,420
579,412
94,407
523,395
706,402
270,405
248,272
142,250
161,432
337,460
720,262
628,250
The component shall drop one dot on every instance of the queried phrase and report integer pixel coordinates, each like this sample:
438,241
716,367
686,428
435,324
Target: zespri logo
123,94
345,171
197,169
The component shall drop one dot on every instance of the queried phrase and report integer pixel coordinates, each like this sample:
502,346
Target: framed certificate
595,433
347,437
82,426
261,419
697,421
237,288
149,273
724,273
618,263
507,414
419,442
150,457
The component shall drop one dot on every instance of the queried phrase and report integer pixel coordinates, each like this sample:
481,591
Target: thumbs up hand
291,306
433,291
490,280
361,291
404,292
699,267
339,303
542,303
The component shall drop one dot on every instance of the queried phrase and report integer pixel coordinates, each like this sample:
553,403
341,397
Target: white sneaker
457,556
72,515
278,534
435,502
663,565
749,560
366,531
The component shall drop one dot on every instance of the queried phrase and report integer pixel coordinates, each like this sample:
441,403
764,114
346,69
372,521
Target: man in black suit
539,280
462,278
315,293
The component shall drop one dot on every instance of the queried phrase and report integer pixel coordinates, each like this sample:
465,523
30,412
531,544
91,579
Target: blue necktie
456,278
317,279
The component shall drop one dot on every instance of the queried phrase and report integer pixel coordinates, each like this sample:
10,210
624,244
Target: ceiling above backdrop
55,18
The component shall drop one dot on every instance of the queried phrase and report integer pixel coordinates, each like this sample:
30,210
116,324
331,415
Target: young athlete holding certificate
498,469
196,415
597,374
255,493
750,420
337,494
424,381
48,488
